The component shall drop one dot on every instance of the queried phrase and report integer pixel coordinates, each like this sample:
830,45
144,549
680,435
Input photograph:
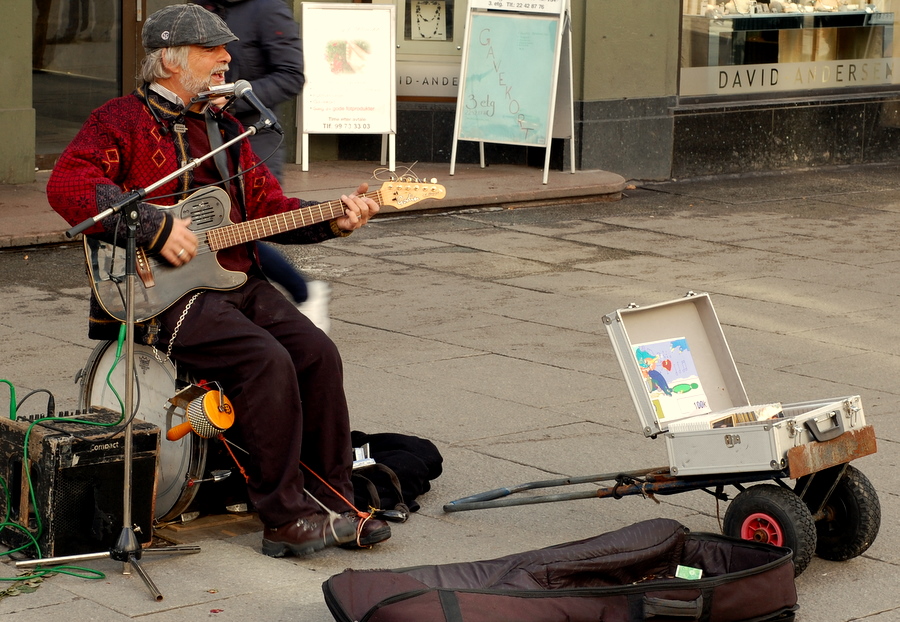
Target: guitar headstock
404,192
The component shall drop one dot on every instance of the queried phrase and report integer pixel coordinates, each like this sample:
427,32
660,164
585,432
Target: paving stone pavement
480,328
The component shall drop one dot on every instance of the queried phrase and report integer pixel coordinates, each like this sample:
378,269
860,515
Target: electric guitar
159,285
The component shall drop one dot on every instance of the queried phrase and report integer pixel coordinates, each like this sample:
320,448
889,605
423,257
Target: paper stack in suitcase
685,386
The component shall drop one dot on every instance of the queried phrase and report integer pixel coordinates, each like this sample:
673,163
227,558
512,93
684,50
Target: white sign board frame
519,6
350,66
505,100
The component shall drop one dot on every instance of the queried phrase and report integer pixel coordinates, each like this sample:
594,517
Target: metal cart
812,501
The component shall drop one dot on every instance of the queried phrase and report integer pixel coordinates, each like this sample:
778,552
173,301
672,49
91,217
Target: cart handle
499,493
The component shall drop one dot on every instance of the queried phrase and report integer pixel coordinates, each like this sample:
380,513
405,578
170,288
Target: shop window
429,48
748,49
76,67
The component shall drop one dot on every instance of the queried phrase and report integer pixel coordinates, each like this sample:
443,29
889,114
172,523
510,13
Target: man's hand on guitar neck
181,246
359,209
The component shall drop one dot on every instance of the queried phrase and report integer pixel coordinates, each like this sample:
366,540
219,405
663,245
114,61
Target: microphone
267,119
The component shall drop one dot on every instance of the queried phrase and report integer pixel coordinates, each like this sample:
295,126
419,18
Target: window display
429,20
429,47
751,49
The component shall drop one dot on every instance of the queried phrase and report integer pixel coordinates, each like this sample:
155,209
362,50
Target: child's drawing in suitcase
671,378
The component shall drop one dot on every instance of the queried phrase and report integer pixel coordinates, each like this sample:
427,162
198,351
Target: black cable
51,401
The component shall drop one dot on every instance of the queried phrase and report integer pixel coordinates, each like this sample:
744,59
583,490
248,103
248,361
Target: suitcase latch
732,439
854,409
792,428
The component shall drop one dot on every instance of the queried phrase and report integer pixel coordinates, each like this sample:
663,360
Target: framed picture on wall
428,20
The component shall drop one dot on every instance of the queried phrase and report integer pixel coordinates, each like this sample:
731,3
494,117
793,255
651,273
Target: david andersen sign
746,79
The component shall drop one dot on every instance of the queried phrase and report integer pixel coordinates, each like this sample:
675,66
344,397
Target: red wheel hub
761,527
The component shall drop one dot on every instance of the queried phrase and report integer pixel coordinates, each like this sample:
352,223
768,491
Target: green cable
37,517
6,496
77,571
119,342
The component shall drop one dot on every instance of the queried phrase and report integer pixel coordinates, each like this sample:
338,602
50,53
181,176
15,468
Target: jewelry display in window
429,20
713,11
740,7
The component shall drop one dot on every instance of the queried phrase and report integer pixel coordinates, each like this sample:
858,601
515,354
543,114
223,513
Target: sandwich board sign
516,78
350,66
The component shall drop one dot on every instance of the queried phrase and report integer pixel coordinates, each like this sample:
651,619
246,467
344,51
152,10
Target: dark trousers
284,378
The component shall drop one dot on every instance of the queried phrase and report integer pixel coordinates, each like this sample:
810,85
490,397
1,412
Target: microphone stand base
129,557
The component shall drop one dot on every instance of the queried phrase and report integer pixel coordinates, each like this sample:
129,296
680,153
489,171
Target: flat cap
184,24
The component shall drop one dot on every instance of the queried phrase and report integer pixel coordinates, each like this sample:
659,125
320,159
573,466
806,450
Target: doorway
85,52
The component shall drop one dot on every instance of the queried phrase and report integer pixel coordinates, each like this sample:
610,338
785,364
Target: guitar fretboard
258,228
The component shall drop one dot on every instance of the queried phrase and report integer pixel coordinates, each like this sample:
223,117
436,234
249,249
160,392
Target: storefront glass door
77,65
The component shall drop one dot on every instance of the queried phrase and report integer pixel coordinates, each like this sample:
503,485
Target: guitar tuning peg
434,180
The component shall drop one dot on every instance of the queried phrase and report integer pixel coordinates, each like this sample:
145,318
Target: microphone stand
127,548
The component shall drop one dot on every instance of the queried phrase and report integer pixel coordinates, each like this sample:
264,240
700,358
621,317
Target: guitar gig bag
628,575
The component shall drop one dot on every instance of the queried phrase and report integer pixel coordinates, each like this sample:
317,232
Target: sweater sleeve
84,183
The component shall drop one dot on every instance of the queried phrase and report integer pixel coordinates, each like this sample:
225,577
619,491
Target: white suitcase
685,386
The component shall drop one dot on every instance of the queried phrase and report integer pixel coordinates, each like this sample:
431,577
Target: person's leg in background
311,297
278,269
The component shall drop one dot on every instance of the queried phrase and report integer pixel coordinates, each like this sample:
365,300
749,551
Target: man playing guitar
283,375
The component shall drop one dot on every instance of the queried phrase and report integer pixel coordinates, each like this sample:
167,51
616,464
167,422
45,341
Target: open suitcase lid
675,360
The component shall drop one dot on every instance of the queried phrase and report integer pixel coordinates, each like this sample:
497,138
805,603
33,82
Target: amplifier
78,474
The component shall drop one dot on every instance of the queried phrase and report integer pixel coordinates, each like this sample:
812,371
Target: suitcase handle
689,609
835,429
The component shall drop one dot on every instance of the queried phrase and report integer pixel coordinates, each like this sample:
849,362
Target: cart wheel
774,515
852,516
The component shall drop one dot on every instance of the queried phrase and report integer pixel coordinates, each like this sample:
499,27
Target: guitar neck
258,228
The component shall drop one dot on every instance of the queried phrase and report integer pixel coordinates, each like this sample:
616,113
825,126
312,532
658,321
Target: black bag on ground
405,466
621,576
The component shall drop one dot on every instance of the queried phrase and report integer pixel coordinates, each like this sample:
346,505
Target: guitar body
159,285
208,209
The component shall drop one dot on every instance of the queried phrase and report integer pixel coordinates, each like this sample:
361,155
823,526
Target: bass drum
155,382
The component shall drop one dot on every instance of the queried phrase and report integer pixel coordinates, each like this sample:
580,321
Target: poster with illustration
671,378
349,54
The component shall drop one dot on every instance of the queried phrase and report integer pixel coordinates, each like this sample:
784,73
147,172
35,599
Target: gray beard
194,85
